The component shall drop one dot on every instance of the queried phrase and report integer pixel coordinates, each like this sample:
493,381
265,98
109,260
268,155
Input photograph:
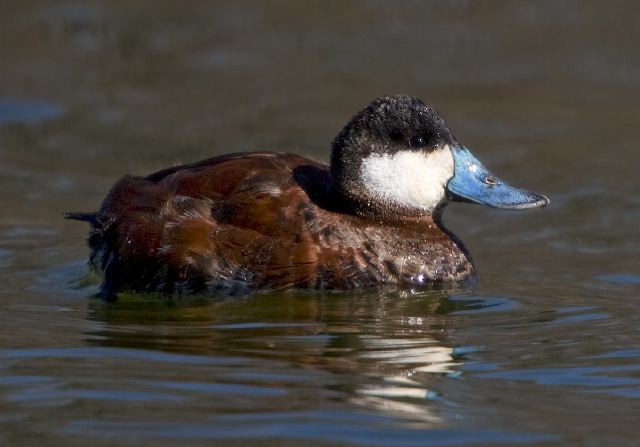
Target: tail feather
92,218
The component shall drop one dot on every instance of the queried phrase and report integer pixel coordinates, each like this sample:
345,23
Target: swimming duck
246,222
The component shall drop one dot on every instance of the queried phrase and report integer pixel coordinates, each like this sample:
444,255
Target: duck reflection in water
241,223
384,351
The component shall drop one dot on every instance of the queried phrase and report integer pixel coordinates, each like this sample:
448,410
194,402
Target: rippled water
543,350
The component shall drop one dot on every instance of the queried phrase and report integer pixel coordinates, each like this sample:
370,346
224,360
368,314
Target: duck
248,222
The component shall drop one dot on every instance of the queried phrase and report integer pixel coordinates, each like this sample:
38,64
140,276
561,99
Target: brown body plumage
246,222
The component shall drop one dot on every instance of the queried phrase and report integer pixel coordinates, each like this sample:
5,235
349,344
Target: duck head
397,157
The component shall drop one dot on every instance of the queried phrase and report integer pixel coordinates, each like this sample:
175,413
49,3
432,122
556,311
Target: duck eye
417,141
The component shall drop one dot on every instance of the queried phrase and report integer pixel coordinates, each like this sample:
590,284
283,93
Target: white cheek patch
410,178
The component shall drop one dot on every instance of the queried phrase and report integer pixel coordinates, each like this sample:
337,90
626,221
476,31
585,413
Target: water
543,350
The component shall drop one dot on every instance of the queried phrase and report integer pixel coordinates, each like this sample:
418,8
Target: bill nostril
491,180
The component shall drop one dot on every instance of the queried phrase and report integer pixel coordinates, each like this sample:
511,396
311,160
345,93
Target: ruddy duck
245,222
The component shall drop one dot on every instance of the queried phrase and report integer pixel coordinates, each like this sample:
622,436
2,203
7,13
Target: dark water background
543,350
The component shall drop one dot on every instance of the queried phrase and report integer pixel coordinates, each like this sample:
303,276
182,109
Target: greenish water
543,350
